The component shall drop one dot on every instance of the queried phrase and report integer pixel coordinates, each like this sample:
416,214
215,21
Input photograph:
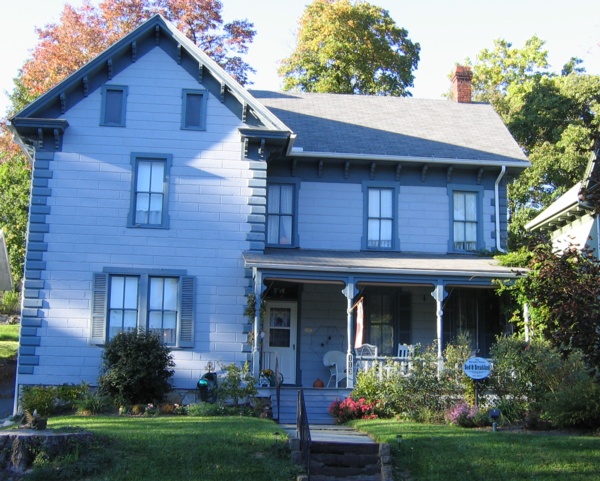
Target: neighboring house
5,275
570,220
164,193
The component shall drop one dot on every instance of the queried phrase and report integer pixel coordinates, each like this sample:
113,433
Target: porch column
256,328
350,292
439,295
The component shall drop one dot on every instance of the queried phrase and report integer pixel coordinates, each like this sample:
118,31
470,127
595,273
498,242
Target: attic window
114,102
193,115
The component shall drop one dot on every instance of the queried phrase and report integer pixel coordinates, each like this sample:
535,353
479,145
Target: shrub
466,416
349,409
92,403
135,368
40,399
236,384
10,302
211,410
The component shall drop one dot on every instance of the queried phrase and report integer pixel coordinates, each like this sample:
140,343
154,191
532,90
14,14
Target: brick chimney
461,84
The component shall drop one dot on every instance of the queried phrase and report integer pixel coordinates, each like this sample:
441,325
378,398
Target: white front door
280,338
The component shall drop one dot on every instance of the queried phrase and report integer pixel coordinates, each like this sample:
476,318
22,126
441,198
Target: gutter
497,208
521,164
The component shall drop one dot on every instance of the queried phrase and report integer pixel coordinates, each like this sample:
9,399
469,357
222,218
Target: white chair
405,355
336,362
404,351
368,351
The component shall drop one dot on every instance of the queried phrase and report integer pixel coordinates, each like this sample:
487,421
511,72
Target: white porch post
439,294
257,276
350,292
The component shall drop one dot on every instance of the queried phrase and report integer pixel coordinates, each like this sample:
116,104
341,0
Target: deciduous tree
352,48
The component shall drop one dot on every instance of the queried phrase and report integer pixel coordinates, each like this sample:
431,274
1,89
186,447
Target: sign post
477,368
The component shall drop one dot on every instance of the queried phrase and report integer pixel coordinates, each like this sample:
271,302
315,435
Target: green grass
449,453
180,448
9,341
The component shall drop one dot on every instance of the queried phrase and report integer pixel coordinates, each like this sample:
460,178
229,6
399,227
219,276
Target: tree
14,207
552,116
80,35
352,48
563,292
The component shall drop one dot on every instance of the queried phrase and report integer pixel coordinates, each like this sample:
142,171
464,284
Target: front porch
310,308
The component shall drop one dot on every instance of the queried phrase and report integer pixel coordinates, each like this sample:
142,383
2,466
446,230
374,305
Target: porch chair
336,362
368,350
405,355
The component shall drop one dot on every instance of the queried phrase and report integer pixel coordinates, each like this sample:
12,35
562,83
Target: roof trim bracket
424,172
346,169
179,53
449,174
86,85
157,34
320,169
398,171
223,92
109,68
294,165
63,102
372,172
479,175
133,51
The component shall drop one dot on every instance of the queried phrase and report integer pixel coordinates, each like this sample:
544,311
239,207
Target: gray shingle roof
395,126
465,266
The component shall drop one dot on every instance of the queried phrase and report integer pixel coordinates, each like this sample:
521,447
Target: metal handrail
303,432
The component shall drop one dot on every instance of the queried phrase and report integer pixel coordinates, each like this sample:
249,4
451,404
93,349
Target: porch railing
303,432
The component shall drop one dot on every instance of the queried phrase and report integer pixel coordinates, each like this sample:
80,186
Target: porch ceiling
352,262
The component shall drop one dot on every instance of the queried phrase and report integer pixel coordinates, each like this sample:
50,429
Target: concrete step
345,461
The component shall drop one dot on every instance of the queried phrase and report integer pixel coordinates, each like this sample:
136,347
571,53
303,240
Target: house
5,275
164,193
570,220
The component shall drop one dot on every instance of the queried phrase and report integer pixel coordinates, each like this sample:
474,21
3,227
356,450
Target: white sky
448,31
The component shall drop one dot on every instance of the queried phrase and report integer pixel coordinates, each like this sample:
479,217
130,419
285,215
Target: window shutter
99,307
187,303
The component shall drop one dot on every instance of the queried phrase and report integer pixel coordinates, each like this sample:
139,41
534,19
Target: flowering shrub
349,409
463,415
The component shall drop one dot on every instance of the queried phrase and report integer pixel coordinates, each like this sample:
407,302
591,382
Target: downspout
497,208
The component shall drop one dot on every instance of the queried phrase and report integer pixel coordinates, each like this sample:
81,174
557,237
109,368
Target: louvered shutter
187,302
99,307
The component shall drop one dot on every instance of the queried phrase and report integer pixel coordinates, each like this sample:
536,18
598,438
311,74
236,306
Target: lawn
9,341
180,448
449,453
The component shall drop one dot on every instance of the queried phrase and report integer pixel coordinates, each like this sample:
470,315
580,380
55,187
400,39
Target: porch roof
360,262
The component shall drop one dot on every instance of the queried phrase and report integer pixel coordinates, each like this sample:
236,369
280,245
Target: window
150,190
465,220
193,115
380,218
114,101
280,214
163,304
387,319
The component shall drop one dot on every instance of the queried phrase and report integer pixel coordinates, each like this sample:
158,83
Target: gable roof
157,31
570,205
398,128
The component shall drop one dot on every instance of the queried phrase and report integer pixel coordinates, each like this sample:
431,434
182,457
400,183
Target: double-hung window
150,190
114,103
280,214
163,304
466,223
193,112
380,217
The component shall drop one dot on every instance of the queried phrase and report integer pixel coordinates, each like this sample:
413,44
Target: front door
280,338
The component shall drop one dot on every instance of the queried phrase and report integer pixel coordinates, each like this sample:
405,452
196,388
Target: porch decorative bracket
398,171
86,84
347,169
179,49
479,175
424,172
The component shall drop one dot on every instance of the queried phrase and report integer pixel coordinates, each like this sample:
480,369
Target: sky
449,31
